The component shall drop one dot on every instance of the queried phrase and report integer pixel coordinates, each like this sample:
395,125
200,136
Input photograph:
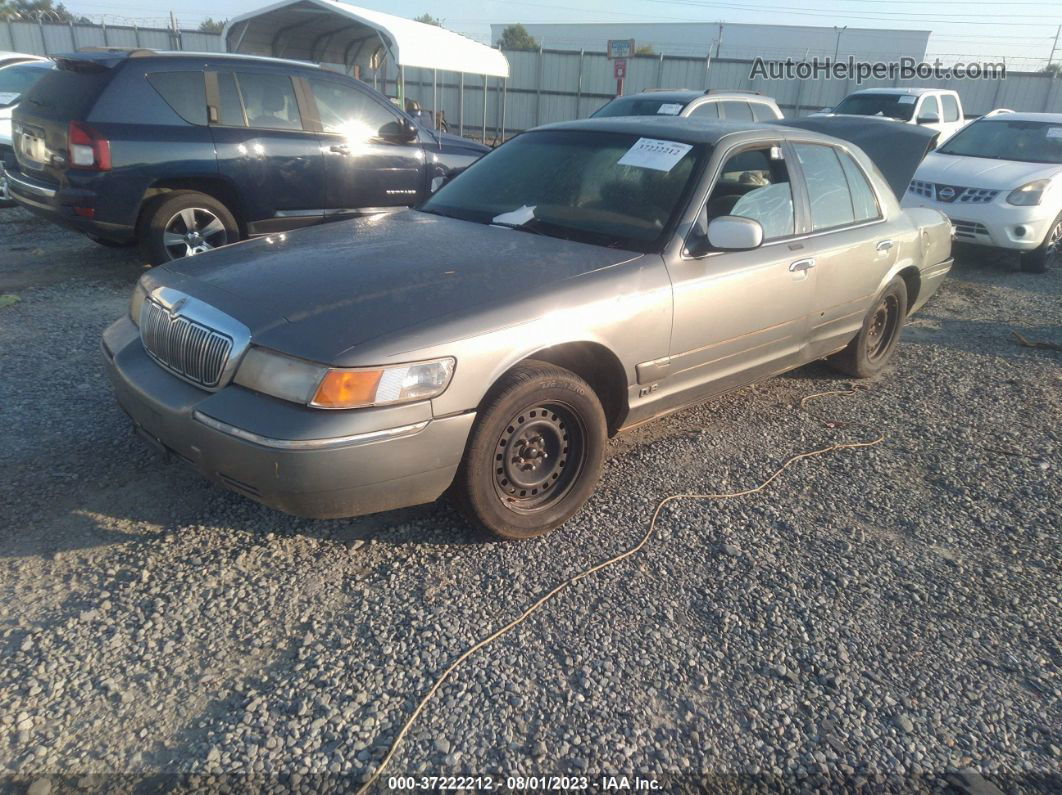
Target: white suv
999,180
687,103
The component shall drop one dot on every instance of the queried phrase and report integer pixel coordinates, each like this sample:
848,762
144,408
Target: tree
428,19
211,25
645,49
516,37
44,10
1053,69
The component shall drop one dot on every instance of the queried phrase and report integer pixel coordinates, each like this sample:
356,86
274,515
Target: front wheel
1049,254
876,342
185,223
535,453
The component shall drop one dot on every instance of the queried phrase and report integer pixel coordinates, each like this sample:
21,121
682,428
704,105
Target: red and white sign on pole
619,50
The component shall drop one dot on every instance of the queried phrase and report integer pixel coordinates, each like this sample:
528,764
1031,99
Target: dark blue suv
184,152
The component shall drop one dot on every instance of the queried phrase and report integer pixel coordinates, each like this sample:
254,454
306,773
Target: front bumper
995,223
388,458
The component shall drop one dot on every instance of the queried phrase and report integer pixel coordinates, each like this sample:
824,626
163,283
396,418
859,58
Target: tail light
87,148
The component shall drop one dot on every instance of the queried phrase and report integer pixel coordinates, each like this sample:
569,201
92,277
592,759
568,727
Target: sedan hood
982,172
321,291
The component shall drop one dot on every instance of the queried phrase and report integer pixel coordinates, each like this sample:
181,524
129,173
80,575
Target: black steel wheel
873,347
539,456
534,454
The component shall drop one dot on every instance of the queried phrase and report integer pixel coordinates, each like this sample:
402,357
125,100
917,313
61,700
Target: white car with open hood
999,180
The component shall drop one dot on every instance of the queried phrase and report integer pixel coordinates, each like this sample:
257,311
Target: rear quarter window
185,92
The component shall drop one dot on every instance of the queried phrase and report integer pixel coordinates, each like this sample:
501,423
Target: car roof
112,55
913,91
1015,116
6,55
687,95
673,128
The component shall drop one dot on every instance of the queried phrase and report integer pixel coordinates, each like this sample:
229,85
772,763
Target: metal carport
325,31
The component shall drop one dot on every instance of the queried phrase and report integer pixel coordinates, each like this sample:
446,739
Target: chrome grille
921,188
951,193
189,349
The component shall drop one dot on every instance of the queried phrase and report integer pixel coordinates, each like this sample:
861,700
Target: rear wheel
185,223
876,342
535,453
1049,254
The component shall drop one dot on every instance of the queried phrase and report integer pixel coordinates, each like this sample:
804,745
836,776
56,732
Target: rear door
369,164
849,244
266,149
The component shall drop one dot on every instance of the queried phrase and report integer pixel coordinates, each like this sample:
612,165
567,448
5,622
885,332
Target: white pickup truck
935,108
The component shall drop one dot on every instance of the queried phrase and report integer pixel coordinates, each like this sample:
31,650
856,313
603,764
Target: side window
185,92
761,111
950,106
831,201
709,110
929,105
737,110
231,112
345,110
269,101
754,184
864,202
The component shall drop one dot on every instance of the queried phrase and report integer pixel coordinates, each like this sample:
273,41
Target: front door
742,315
264,149
369,164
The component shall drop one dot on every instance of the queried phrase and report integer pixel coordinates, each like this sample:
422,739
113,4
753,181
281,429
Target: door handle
884,245
339,149
802,265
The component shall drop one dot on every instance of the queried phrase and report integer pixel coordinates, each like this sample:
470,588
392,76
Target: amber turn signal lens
345,389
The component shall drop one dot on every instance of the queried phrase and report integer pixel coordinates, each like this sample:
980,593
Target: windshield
1010,139
640,107
15,79
893,106
609,189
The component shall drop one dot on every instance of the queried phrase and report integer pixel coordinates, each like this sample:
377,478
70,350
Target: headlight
1029,194
347,389
311,384
136,303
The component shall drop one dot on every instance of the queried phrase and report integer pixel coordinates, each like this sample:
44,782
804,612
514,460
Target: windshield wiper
530,225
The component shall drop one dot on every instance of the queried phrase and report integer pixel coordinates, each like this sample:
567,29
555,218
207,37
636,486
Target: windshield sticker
907,99
657,155
517,217
669,109
1054,132
8,97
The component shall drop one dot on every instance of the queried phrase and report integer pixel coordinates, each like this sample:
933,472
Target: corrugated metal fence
557,85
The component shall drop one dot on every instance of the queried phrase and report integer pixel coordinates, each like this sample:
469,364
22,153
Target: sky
1022,31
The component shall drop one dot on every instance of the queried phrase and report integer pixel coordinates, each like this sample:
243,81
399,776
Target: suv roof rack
657,90
733,91
132,52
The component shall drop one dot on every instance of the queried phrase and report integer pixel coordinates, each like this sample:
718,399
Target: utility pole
837,46
1054,46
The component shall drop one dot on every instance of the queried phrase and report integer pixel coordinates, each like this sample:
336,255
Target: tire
5,194
554,424
185,221
872,348
102,241
1049,254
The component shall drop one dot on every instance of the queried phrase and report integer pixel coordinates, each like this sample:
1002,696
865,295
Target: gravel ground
884,616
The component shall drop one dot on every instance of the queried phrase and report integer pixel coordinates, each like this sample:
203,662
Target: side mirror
929,118
401,129
734,233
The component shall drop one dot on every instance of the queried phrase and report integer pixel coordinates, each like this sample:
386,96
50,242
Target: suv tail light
87,149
